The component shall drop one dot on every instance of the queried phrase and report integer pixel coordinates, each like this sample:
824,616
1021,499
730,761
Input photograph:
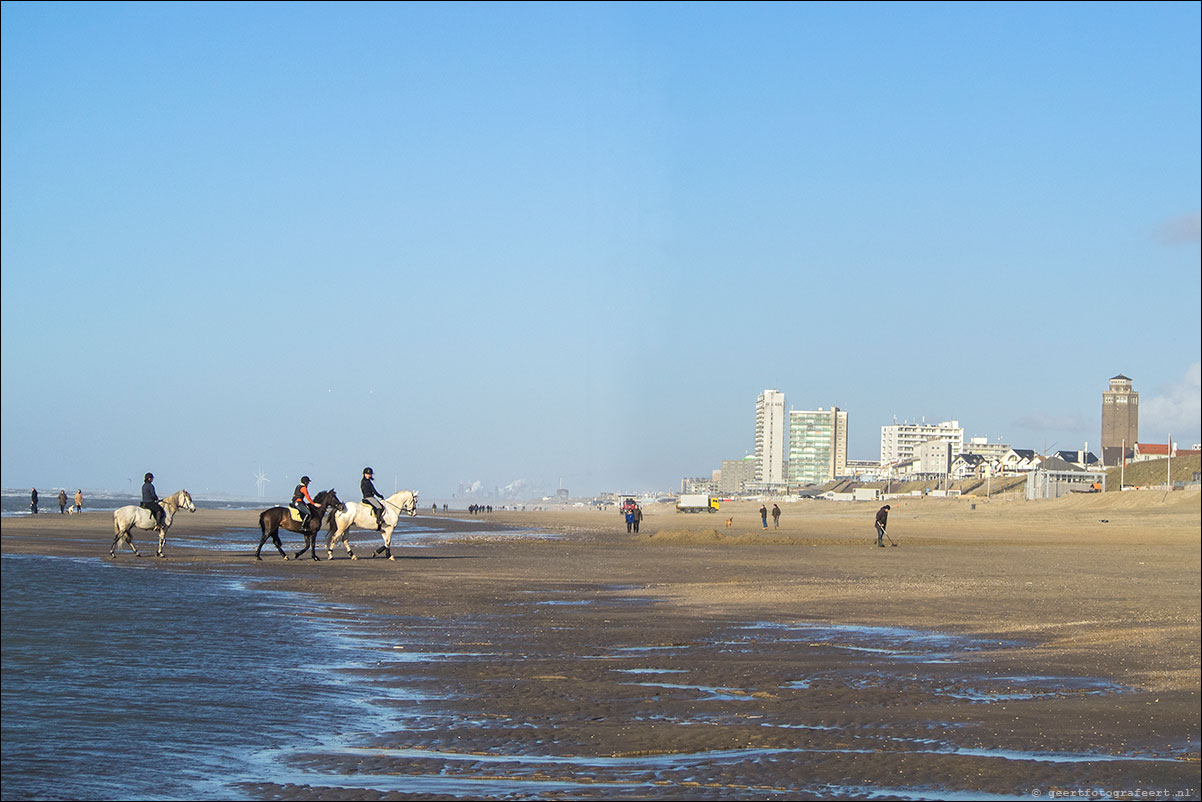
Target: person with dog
79,501
372,498
150,501
882,517
303,502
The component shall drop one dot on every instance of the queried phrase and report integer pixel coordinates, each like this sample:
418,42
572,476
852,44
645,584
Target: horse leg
129,541
311,544
162,542
310,538
340,535
275,539
262,539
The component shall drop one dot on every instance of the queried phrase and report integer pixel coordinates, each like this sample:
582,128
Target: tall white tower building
770,437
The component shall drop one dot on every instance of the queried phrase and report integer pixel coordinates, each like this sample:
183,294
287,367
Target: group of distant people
64,506
476,509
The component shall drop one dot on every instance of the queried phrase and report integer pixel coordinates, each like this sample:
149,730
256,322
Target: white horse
361,515
131,515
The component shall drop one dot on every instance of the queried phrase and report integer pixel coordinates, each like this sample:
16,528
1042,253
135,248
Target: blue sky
482,243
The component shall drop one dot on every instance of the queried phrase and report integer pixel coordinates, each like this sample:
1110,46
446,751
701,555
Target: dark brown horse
273,520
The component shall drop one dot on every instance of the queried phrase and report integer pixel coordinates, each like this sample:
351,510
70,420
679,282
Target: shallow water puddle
709,692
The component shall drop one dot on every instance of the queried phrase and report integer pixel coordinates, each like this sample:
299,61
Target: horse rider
371,496
150,501
303,502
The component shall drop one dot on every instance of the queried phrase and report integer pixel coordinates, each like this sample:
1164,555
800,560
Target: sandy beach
1007,648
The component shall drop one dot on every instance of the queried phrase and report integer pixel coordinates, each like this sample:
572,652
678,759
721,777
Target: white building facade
770,437
900,441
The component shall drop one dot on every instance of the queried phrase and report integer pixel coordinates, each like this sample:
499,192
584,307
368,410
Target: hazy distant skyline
576,241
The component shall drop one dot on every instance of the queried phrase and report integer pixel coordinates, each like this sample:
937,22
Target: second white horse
362,516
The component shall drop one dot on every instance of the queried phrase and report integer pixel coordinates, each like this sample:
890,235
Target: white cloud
1186,228
1175,408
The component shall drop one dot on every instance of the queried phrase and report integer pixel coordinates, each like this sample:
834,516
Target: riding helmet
368,470
149,477
304,480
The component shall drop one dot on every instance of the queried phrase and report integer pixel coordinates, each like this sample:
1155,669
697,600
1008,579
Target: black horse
273,520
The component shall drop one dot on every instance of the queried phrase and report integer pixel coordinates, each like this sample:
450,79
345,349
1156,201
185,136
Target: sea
128,681
16,502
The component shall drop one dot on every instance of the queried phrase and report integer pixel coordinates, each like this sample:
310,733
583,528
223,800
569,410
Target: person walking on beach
882,517
79,501
62,501
764,516
638,517
33,501
303,502
775,516
372,498
629,520
150,500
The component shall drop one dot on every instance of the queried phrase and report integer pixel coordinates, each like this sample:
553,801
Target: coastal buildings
1120,420
770,441
736,475
817,445
900,441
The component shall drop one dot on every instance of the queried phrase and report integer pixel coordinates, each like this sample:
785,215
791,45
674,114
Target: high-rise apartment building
900,440
817,445
770,440
736,475
1120,420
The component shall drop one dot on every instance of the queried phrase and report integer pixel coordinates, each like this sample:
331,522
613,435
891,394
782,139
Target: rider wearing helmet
303,502
371,497
150,500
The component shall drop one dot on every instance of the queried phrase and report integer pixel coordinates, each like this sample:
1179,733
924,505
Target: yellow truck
696,502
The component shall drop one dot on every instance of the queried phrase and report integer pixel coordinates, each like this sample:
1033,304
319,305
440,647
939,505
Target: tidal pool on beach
128,681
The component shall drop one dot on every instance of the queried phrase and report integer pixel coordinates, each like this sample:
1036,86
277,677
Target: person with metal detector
882,517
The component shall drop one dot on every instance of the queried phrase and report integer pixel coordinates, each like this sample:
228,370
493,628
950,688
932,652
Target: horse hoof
353,557
257,557
391,558
285,558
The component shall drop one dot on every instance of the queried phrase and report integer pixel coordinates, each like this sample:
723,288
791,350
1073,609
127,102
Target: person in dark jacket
303,502
62,501
150,500
33,500
882,518
372,498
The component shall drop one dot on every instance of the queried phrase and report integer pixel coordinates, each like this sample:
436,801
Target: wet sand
1014,649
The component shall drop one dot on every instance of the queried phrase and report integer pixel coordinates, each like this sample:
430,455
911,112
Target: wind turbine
260,479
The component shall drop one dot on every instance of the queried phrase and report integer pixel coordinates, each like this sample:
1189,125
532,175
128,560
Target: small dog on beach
730,522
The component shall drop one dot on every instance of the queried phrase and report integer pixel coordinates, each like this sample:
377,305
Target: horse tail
263,523
116,525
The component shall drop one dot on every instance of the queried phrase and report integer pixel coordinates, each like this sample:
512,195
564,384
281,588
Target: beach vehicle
697,502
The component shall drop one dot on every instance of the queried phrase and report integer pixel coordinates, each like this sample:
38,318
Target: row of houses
934,460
